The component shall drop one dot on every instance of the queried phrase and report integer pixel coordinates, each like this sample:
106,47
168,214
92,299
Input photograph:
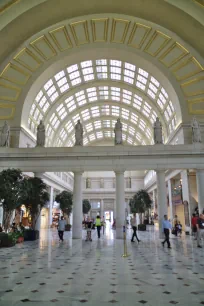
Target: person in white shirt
61,228
134,227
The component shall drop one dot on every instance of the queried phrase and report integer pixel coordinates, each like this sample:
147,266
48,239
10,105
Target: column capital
78,172
117,172
38,174
160,170
200,170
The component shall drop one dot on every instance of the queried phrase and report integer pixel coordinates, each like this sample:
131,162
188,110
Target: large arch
176,60
68,93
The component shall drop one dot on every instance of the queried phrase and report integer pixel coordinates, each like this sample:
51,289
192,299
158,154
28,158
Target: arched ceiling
18,13
178,90
132,94
180,64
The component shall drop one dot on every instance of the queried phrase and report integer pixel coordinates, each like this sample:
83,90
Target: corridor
76,272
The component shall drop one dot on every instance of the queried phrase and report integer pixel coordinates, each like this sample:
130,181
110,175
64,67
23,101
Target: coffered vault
98,106
98,68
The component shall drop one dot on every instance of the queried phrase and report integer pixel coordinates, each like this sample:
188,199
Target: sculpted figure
78,134
88,183
5,135
101,183
196,134
40,135
118,132
158,132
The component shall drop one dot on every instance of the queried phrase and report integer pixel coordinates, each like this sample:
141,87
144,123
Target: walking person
88,225
61,228
166,227
103,224
134,227
175,225
98,226
194,221
200,228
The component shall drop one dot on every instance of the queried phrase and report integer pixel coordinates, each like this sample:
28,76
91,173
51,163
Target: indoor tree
65,199
10,193
140,203
35,197
86,206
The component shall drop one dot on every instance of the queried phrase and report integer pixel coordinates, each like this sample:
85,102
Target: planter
31,235
20,240
6,240
142,227
68,227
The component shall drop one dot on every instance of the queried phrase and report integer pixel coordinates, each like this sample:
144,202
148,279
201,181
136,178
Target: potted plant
34,197
10,193
7,240
140,203
19,237
65,200
86,206
68,227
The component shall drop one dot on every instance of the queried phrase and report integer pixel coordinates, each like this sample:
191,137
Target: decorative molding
172,54
8,5
199,2
76,27
43,47
179,52
28,59
138,42
157,38
196,106
19,77
119,30
61,38
11,111
95,24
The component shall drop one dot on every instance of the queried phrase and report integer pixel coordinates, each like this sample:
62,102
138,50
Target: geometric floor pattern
73,273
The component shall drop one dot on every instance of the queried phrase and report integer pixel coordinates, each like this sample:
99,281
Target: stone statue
40,135
158,132
5,135
88,183
101,183
79,134
118,132
196,134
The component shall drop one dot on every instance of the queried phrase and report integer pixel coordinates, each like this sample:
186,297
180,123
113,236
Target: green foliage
10,193
65,199
34,196
86,206
140,202
7,240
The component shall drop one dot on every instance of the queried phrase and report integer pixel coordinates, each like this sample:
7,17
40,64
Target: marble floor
72,273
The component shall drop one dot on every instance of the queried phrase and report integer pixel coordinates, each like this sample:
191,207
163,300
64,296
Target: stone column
1,214
38,222
186,195
154,199
170,200
114,210
120,204
102,208
77,206
161,198
200,188
50,207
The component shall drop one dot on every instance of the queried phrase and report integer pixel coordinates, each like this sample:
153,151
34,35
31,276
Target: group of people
197,223
175,227
90,224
